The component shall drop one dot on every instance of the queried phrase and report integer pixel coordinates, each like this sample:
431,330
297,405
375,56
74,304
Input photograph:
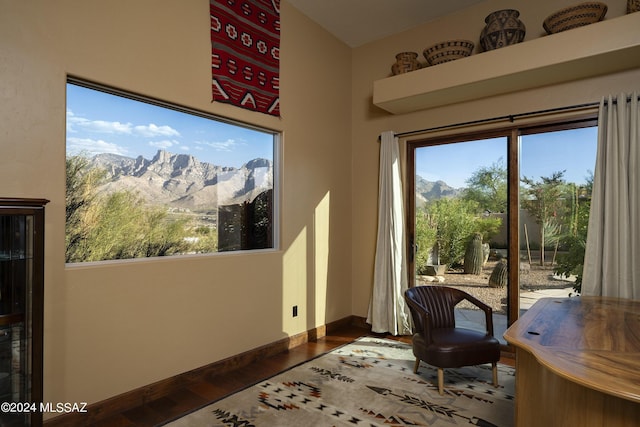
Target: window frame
181,108
512,132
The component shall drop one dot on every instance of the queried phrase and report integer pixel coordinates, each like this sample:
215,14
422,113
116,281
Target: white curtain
387,309
612,254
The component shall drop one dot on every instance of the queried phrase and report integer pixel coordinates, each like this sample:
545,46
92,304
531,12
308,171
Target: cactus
473,256
498,278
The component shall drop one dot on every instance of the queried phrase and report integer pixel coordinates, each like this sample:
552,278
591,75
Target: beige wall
115,327
111,328
373,61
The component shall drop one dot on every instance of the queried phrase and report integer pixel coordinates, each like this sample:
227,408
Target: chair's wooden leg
441,381
416,366
494,365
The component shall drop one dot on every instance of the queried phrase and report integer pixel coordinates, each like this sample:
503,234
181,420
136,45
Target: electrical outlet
295,311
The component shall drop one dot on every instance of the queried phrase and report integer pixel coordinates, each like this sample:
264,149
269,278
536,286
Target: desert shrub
572,261
425,239
453,222
118,225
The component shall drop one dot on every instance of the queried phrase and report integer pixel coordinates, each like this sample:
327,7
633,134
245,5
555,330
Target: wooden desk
578,362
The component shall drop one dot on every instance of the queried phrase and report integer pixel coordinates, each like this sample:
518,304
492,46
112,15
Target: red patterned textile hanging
245,53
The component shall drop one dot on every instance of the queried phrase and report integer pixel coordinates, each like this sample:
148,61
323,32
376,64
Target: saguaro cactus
498,278
473,256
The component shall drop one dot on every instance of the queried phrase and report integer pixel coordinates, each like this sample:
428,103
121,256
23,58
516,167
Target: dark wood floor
208,389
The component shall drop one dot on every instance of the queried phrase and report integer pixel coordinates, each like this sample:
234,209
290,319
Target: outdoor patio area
474,319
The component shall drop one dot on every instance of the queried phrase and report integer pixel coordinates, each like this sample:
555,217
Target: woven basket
575,16
633,6
446,51
407,56
405,62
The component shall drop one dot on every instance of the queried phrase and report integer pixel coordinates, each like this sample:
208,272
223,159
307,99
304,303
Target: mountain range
429,190
183,182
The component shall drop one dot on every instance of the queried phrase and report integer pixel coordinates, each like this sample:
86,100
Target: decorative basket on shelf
633,6
405,62
446,51
575,16
503,28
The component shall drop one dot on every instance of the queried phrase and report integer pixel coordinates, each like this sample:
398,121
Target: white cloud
109,127
77,124
229,145
152,130
90,147
72,120
164,144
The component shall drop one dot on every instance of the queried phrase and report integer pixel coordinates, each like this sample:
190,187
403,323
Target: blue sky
102,123
541,155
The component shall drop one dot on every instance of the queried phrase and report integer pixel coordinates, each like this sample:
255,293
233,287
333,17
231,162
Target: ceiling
357,22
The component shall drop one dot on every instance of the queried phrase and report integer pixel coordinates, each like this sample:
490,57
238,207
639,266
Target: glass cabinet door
20,314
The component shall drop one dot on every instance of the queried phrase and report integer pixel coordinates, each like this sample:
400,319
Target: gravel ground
532,277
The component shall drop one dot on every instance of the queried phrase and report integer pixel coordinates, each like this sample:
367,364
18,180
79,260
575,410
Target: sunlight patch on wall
321,249
294,282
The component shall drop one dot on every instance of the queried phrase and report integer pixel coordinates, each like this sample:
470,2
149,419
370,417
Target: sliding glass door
500,214
556,178
460,209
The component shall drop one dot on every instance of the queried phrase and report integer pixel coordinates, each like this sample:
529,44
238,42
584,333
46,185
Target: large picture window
147,179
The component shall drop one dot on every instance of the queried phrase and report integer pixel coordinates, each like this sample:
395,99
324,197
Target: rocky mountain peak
183,181
433,190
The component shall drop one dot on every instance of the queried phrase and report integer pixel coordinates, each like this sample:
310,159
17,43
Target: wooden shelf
602,48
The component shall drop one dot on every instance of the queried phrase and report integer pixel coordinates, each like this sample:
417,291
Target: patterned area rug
369,382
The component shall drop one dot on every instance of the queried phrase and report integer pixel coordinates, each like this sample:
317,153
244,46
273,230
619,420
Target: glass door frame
512,133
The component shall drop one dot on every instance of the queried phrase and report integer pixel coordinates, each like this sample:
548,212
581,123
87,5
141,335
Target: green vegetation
560,208
488,187
500,275
575,240
545,201
474,255
120,225
450,223
425,239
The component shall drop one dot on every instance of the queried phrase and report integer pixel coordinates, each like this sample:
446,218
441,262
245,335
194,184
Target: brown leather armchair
438,342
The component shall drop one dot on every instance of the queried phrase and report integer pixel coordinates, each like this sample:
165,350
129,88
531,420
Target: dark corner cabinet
21,310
